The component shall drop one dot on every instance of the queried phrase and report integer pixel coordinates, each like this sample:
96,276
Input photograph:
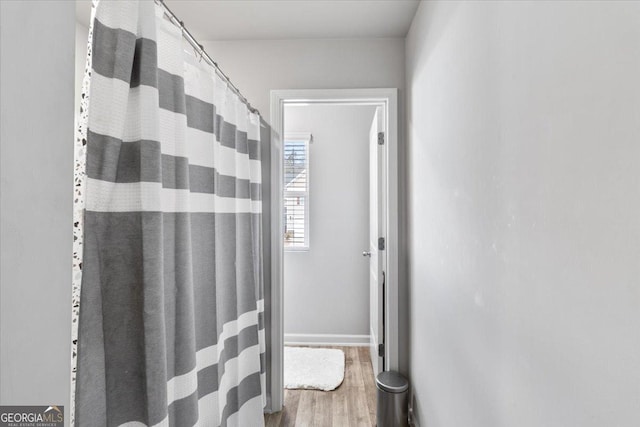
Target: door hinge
380,138
380,350
381,244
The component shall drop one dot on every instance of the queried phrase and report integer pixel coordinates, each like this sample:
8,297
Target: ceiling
287,19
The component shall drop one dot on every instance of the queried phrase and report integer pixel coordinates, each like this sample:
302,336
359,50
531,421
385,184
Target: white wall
258,66
524,213
326,289
36,156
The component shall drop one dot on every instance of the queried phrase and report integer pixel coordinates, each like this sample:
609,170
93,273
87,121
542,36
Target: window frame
307,138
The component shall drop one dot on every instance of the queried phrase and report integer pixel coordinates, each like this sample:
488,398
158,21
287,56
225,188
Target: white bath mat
313,368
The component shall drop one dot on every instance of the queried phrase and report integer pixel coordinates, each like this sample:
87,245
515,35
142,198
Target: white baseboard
326,340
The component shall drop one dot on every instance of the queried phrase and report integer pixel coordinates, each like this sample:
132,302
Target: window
296,191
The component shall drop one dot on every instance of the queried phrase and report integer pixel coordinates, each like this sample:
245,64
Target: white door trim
279,98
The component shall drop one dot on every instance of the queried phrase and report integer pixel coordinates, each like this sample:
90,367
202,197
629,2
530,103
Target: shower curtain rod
203,54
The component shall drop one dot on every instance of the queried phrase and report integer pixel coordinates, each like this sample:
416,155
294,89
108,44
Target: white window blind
296,191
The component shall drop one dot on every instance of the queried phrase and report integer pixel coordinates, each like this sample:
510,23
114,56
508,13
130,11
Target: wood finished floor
353,404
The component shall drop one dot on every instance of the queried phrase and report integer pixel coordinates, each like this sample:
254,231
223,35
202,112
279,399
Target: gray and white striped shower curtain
171,328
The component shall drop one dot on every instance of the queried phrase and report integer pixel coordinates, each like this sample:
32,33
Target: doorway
382,236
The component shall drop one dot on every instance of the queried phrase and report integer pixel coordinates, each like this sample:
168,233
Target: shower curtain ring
201,52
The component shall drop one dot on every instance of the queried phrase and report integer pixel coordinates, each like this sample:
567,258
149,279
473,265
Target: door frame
387,98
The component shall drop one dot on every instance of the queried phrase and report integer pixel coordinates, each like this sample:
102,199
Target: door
375,251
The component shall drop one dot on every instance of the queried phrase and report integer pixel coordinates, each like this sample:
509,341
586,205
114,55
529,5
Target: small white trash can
393,410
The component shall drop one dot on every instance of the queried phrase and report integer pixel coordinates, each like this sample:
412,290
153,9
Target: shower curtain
171,328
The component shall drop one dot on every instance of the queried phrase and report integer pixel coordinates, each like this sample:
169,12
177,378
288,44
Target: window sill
298,249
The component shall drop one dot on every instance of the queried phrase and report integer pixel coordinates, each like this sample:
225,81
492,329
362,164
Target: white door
375,252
